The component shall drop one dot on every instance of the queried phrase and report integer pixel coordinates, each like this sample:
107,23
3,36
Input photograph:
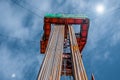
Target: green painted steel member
65,16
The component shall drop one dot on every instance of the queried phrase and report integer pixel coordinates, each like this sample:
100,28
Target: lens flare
13,75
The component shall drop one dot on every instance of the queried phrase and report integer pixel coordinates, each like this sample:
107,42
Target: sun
100,8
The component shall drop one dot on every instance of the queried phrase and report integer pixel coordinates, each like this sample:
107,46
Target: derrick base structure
81,36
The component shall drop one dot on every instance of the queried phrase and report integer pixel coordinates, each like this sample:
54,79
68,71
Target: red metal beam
93,77
84,22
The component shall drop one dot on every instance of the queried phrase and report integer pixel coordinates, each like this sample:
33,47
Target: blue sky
21,28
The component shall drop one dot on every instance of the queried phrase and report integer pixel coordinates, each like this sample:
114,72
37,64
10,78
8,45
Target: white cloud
15,63
40,7
106,55
115,38
99,58
10,22
8,65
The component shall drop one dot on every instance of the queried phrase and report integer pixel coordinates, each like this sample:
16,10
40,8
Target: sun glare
100,9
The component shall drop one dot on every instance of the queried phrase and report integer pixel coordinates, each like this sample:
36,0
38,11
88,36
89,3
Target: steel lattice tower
63,47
